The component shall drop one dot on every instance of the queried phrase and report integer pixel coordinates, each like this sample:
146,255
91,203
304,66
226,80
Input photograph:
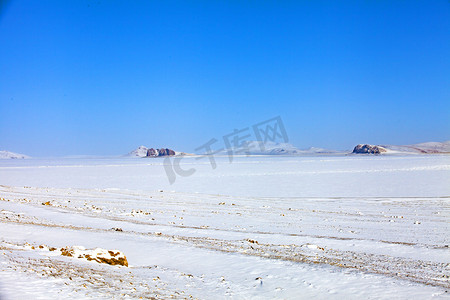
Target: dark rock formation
152,152
166,152
368,149
160,152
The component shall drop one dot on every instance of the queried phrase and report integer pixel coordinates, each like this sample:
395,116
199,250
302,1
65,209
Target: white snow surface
11,155
261,227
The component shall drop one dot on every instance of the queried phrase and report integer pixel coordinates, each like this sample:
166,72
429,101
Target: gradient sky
103,77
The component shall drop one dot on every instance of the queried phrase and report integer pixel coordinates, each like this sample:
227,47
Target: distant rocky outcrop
422,148
160,152
272,148
140,151
152,152
368,149
12,155
143,151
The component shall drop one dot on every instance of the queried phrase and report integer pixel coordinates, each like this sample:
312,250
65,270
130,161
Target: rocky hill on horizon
11,155
421,148
272,148
143,151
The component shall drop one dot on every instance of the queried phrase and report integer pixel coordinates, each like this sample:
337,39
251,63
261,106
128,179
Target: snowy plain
260,227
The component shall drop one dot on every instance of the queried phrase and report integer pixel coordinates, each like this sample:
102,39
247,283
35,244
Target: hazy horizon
102,78
223,152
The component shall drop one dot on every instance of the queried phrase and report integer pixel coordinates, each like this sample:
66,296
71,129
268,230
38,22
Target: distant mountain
316,150
368,149
422,148
143,151
12,155
430,147
140,151
271,148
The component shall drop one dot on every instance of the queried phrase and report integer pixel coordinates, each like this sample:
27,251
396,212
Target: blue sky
103,77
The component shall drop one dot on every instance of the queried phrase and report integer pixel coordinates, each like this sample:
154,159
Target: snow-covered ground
263,227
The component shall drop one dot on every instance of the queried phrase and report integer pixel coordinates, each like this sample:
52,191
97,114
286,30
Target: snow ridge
272,148
424,148
11,155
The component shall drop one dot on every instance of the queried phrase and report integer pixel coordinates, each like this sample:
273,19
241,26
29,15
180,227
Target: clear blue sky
103,77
